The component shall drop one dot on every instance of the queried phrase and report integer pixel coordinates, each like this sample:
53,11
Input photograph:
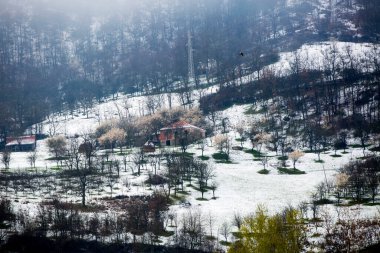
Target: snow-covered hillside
240,188
318,56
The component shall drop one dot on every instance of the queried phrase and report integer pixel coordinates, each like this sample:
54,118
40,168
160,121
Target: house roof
21,140
149,144
181,124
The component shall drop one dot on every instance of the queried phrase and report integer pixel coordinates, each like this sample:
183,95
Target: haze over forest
163,125
73,51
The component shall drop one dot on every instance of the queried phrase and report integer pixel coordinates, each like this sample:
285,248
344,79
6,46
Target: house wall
193,134
21,147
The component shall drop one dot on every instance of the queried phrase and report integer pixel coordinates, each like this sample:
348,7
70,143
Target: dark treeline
320,103
56,56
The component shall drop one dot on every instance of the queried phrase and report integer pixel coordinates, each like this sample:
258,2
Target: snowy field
310,56
321,56
240,187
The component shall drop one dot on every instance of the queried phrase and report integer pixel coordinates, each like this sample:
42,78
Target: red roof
180,124
21,140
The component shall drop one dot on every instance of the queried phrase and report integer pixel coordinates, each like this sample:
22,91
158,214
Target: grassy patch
356,202
198,189
124,153
255,153
179,198
201,199
165,233
316,220
183,192
56,168
220,156
227,162
204,158
352,202
319,161
372,204
210,237
188,154
362,157
59,158
282,158
336,155
375,149
290,171
357,146
237,235
237,148
323,202
263,171
224,243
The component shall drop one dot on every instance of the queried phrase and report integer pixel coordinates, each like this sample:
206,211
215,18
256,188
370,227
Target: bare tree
295,156
191,233
223,144
202,144
111,177
238,220
57,145
138,160
6,158
264,160
241,130
262,139
115,136
214,185
225,230
32,157
53,125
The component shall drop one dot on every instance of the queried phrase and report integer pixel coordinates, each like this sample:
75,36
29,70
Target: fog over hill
189,126
68,53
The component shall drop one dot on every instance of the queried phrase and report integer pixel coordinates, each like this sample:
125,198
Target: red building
21,143
179,131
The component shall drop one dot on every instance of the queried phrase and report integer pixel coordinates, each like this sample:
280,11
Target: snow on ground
19,160
240,188
318,56
310,56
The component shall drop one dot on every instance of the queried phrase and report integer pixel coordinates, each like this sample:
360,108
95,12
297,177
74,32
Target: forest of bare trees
58,57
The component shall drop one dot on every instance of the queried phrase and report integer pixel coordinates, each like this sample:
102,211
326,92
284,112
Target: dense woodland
57,56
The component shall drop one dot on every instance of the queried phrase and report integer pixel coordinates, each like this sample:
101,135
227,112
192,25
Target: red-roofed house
21,143
180,131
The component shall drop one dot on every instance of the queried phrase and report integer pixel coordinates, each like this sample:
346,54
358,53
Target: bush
155,180
283,232
220,156
263,171
290,171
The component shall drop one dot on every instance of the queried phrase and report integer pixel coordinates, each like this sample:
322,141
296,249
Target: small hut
149,147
